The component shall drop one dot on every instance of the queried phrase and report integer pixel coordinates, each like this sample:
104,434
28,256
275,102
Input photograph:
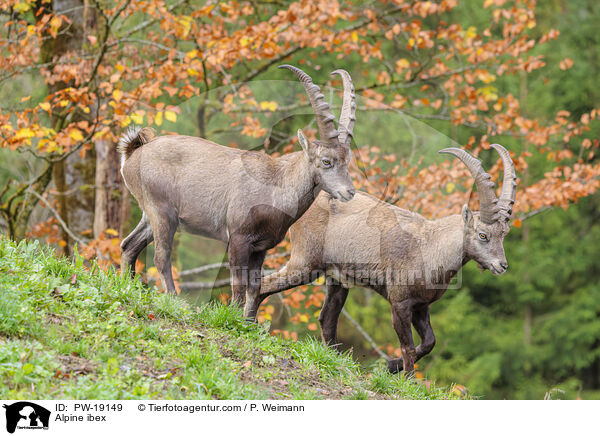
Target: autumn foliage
137,61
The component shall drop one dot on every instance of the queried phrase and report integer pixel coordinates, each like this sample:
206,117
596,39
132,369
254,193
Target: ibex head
485,231
329,156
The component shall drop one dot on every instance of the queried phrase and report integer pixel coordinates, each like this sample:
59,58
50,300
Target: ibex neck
446,247
297,178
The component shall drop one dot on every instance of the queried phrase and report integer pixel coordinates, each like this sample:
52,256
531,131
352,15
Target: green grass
71,331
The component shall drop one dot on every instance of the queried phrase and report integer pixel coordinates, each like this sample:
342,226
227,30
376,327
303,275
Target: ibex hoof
395,365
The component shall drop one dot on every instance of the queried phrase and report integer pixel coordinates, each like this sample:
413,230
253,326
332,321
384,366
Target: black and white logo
26,415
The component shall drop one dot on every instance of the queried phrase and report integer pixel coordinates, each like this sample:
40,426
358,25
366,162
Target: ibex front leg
401,319
420,319
330,312
253,290
239,259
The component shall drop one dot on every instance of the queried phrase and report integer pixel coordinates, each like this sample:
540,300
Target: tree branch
365,334
57,216
203,268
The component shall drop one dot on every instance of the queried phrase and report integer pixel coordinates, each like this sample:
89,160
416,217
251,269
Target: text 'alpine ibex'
247,199
406,258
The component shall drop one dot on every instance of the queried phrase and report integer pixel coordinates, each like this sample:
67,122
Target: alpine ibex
406,258
247,199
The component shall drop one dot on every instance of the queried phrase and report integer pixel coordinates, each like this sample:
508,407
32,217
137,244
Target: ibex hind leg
134,243
164,225
330,312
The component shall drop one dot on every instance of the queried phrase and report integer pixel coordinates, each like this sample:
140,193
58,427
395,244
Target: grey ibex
247,199
406,258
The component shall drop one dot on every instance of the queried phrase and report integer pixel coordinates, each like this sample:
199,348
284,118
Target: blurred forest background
74,74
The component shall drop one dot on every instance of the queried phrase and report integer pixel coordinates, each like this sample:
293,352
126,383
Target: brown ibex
406,258
247,199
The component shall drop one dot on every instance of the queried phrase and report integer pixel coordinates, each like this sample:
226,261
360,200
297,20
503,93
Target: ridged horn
348,113
488,203
327,130
509,182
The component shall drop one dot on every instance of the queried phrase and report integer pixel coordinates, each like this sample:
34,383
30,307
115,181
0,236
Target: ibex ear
303,142
467,215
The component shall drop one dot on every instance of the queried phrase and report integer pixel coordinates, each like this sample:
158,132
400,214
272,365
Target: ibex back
406,258
244,198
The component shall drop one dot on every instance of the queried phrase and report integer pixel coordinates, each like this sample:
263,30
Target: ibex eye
483,236
326,163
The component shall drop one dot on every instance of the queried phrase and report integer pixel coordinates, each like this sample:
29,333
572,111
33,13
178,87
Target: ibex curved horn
327,130
488,203
509,183
348,114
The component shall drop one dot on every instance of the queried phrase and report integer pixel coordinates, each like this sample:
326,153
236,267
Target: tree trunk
74,178
111,200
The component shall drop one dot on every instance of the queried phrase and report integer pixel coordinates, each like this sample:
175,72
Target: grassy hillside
71,332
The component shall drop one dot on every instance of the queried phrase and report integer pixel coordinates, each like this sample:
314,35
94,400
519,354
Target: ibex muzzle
406,258
247,199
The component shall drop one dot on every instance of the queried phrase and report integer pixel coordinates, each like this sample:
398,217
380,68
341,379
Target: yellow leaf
171,116
137,117
76,135
244,41
471,32
21,7
63,103
112,232
303,318
86,110
186,25
25,132
354,36
402,64
192,72
47,145
450,187
158,119
268,105
490,93
126,121
45,106
320,281
486,77
117,94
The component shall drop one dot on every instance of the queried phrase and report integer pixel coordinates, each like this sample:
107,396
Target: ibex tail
134,137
